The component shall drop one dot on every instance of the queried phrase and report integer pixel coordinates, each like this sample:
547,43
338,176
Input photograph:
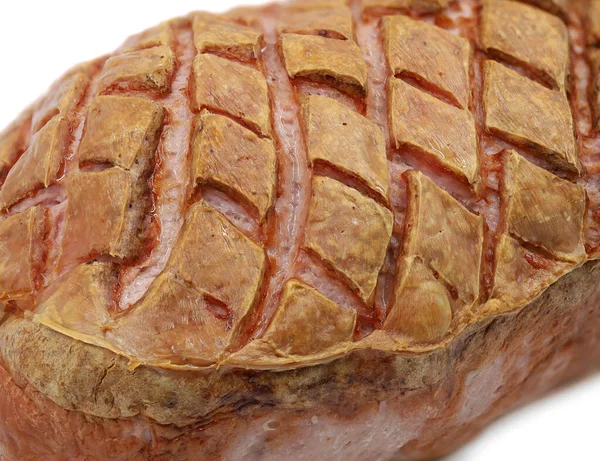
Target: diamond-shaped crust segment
171,323
13,142
430,54
543,209
526,35
307,328
160,35
150,69
520,274
337,62
444,234
39,166
121,131
349,232
231,157
21,251
527,113
307,322
80,300
233,88
218,259
419,6
216,34
438,129
422,308
338,136
97,219
62,99
333,23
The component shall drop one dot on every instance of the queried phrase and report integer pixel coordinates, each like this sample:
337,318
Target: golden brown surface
231,157
299,207
542,209
434,127
509,102
429,53
232,88
422,306
13,142
349,231
214,34
505,25
147,69
180,318
39,165
121,131
101,216
325,60
338,136
215,257
334,22
593,55
21,251
62,99
438,223
160,35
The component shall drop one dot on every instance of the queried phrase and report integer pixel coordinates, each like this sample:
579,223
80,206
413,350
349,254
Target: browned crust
517,347
205,412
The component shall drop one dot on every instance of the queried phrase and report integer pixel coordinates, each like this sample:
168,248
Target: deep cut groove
369,36
310,87
415,159
490,165
96,167
312,270
234,210
243,204
55,193
521,68
238,120
57,209
324,168
328,270
230,56
421,84
293,183
589,141
171,177
48,196
57,228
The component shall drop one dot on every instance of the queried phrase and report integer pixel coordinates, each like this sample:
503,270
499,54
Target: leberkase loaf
306,231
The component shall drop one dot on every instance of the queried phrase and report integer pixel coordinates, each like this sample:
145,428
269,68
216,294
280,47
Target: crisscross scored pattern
277,187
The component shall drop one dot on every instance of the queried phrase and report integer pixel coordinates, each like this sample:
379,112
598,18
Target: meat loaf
315,230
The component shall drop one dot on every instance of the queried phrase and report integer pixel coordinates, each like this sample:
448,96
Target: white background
40,40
